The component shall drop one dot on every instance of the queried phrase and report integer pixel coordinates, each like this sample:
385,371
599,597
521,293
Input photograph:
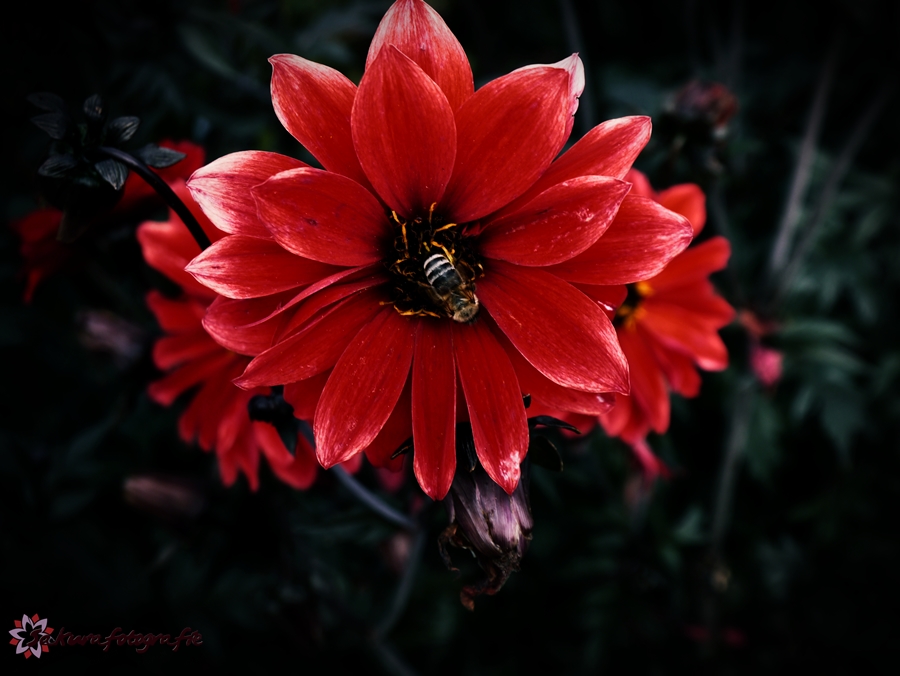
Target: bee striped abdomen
441,274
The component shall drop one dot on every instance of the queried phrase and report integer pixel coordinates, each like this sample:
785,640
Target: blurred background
772,545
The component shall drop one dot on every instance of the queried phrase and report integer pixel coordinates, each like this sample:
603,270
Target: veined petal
508,133
558,224
323,216
364,387
560,331
222,189
246,267
421,34
609,298
236,325
642,239
434,408
314,102
688,200
609,149
404,133
648,388
694,264
314,349
494,401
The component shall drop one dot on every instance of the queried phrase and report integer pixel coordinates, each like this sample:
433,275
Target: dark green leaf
56,166
159,158
122,129
113,172
55,124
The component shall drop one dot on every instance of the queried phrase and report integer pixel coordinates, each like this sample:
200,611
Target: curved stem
401,596
372,501
163,190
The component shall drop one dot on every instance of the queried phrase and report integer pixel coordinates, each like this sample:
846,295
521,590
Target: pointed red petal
304,395
168,248
298,470
688,200
643,237
313,102
235,324
404,133
176,315
165,390
694,264
364,387
246,267
608,149
679,369
494,402
323,216
609,298
222,189
648,388
560,331
314,349
558,224
421,34
434,408
509,131
698,301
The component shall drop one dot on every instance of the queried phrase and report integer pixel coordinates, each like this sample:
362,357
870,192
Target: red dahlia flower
217,416
441,256
668,326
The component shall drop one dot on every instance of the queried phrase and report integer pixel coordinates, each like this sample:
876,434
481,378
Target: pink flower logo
28,636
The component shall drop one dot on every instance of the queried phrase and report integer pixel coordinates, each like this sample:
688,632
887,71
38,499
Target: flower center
630,311
434,268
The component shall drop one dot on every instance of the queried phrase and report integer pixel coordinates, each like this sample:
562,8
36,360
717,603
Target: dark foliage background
793,565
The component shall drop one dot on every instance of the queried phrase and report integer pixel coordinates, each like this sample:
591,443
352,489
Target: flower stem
372,501
163,190
401,596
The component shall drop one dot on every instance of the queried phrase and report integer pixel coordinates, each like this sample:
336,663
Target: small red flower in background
217,416
442,256
668,326
44,255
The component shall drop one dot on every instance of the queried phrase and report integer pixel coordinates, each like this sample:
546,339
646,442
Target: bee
455,296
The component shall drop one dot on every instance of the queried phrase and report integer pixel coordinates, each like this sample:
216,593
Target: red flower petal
313,102
364,387
323,216
314,349
643,237
421,34
396,431
609,298
222,189
698,301
694,264
688,200
608,149
298,470
508,133
559,330
176,315
404,133
494,401
246,267
168,247
548,394
667,325
170,351
304,395
648,388
558,224
434,408
679,369
165,390
236,325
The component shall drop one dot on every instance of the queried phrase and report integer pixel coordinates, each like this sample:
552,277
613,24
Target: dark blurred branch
576,44
832,183
802,169
372,501
404,589
163,190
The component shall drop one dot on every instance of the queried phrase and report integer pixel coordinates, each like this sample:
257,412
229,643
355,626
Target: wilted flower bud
494,526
